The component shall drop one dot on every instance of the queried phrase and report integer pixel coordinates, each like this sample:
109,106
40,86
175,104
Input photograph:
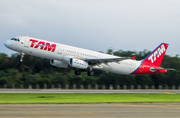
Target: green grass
86,98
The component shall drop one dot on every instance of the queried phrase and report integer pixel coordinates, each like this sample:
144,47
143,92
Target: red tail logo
157,55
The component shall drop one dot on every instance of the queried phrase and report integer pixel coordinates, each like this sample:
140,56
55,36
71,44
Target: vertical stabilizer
156,56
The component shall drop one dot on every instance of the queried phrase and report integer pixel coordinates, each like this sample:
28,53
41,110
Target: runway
129,110
91,91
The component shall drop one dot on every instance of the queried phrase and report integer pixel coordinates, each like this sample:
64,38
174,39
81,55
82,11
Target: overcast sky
94,24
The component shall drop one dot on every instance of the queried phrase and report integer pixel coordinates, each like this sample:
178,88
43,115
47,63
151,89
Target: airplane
65,56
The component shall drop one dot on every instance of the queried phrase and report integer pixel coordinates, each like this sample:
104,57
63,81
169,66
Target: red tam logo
157,54
42,45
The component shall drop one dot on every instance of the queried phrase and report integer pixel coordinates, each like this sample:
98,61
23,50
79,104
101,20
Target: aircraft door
59,49
26,42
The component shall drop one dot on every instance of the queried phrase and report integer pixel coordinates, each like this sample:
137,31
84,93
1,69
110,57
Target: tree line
35,70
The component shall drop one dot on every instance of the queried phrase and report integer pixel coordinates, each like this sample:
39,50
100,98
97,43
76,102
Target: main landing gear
89,73
77,72
22,55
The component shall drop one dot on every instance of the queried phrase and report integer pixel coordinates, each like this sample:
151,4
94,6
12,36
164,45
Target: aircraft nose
6,43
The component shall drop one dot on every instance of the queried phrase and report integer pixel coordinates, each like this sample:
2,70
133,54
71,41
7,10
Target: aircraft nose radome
6,43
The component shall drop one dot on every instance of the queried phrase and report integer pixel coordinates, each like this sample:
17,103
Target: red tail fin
156,56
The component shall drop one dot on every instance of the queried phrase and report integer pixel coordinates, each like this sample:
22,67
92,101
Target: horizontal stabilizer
153,69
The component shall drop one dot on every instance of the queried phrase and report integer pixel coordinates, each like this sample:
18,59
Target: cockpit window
15,39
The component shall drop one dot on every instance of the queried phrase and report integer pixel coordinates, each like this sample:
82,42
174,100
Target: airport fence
100,87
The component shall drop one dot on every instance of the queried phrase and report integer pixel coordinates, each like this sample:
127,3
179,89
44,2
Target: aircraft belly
119,68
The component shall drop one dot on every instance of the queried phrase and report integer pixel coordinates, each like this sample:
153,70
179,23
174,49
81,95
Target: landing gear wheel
77,72
90,73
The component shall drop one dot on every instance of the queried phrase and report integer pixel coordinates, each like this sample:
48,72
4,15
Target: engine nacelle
77,63
59,63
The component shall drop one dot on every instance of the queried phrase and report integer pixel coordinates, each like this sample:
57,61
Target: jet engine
77,63
59,63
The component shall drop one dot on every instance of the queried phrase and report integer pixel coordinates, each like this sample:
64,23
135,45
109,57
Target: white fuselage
28,47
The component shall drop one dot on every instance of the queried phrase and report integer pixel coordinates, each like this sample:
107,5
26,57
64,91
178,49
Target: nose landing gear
22,55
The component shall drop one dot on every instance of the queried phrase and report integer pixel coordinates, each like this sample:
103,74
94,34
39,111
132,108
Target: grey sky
94,24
